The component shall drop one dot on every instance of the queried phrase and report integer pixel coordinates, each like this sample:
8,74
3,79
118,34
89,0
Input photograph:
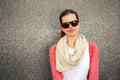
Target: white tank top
79,72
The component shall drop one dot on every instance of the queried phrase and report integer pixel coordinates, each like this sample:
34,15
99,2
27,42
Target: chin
72,34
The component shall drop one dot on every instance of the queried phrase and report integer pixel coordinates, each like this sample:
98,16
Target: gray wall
29,27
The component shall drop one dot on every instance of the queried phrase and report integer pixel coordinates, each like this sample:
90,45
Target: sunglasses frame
67,24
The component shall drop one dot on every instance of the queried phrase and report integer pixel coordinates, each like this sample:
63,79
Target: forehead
68,18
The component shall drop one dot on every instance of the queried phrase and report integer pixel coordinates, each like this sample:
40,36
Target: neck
71,40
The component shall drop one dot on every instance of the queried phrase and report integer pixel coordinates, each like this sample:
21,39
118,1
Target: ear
61,28
79,24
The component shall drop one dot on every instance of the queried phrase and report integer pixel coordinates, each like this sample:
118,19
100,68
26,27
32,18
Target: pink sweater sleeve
94,68
55,74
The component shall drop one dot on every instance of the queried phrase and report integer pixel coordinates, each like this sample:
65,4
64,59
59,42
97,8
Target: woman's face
71,30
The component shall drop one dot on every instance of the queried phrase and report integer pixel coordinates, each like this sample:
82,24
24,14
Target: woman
73,57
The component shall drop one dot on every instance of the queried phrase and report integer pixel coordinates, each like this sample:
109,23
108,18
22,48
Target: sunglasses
67,24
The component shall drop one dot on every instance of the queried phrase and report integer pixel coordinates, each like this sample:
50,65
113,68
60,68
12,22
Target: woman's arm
56,75
94,62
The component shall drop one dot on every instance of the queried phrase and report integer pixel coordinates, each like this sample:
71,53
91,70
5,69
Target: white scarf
65,61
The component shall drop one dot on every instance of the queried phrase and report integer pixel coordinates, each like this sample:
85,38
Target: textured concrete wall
29,27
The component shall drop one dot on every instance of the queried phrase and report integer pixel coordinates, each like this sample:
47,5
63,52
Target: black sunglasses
67,24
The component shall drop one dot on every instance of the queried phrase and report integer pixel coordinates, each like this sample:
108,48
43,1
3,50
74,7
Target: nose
70,26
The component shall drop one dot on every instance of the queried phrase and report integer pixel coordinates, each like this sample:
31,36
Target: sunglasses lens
65,25
74,23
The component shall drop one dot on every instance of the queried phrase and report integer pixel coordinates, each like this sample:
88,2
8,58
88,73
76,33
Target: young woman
73,57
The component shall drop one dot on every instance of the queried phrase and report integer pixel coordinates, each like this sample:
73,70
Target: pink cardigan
94,68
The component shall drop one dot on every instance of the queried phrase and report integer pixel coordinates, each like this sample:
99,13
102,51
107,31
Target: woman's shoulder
92,44
93,49
52,49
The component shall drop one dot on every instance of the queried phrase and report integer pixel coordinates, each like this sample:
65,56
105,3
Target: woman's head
69,22
66,12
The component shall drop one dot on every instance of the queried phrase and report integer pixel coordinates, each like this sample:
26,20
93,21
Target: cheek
77,28
64,30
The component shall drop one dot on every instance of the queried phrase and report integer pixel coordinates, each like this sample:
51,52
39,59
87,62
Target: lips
70,31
